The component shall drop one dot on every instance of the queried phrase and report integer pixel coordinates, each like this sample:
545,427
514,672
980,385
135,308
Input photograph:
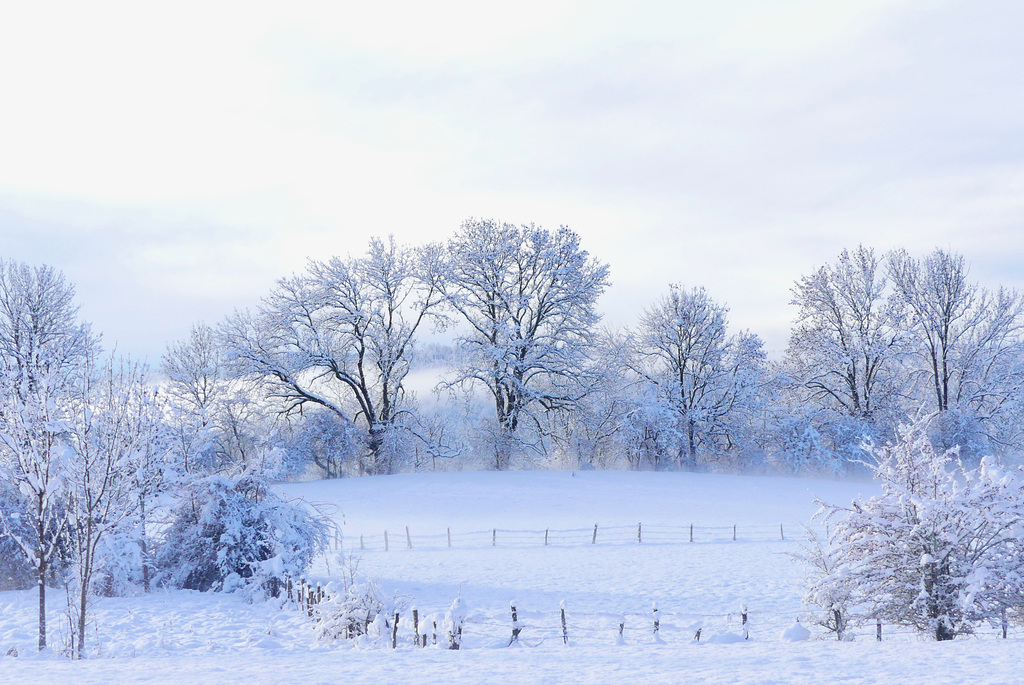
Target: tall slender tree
42,344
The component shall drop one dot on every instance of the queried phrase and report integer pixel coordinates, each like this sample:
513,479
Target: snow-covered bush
119,562
348,612
454,619
941,549
229,533
831,599
355,609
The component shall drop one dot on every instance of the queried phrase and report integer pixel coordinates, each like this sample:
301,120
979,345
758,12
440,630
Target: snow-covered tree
197,390
528,299
341,336
322,438
845,344
970,348
42,343
110,426
649,431
709,380
843,367
940,549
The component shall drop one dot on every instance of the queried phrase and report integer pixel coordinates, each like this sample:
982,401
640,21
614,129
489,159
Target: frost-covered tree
831,598
528,299
330,442
42,343
197,390
649,431
845,344
970,348
709,380
940,549
109,429
843,368
341,336
590,434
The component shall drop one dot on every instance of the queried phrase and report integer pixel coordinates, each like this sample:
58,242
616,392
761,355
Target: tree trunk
41,568
692,443
83,597
42,602
144,546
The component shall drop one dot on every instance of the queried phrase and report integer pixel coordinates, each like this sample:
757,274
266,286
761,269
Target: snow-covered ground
497,523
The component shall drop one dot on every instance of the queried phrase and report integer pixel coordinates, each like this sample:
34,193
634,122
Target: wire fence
638,534
488,627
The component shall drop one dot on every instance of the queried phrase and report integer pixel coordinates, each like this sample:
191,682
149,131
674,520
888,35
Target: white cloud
175,161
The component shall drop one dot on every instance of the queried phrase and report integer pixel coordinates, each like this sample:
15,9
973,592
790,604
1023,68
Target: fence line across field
637,534
565,624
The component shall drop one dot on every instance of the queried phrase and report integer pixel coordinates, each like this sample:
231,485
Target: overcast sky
175,162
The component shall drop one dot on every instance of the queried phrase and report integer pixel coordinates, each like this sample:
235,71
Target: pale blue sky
174,163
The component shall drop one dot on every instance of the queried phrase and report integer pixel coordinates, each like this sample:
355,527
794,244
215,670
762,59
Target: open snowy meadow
481,536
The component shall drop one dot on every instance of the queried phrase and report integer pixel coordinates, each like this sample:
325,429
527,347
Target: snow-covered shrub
940,550
348,612
830,599
355,609
454,619
229,533
118,571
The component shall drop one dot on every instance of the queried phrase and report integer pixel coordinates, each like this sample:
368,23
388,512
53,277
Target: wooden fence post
545,537
385,541
743,615
408,538
1002,617
565,631
415,627
394,633
691,532
449,537
734,532
657,621
515,626
878,629
639,534
494,537
361,545
593,540
781,533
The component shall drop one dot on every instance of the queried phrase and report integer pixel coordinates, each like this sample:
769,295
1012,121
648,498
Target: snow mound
724,639
795,633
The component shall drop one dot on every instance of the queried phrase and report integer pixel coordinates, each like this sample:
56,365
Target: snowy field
497,523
